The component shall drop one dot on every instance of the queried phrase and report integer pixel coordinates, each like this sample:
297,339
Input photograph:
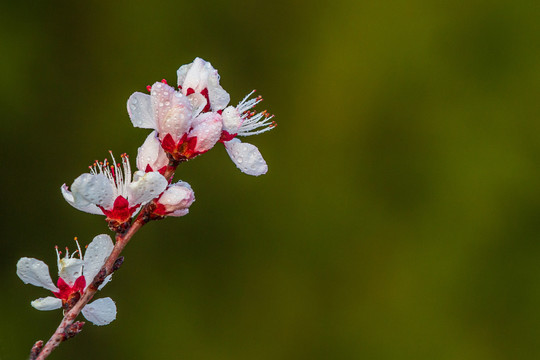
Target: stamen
79,249
58,253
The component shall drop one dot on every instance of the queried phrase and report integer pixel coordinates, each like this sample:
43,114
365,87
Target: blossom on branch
241,121
183,129
74,276
175,201
199,81
111,191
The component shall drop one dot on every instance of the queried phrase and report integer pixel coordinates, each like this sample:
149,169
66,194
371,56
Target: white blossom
74,276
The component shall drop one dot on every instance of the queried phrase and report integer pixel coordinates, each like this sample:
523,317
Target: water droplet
165,93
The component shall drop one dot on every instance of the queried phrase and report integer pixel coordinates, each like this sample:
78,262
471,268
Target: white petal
100,312
47,303
177,198
35,272
178,213
181,73
140,111
146,187
95,256
246,157
200,75
172,111
151,154
219,98
70,269
93,189
89,208
207,128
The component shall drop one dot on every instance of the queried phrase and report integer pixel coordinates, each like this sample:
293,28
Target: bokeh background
400,215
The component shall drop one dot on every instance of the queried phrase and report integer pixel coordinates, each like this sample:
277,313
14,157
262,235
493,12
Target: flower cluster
186,122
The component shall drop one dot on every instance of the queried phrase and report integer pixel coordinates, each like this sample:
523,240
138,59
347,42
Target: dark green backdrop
400,215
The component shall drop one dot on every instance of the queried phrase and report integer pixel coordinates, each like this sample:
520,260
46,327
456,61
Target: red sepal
204,93
226,136
65,291
183,150
121,212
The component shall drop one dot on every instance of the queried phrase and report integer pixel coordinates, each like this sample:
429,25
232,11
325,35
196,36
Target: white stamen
119,175
253,123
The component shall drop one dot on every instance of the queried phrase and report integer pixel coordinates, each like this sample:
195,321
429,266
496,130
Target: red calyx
161,171
121,212
67,291
226,136
183,150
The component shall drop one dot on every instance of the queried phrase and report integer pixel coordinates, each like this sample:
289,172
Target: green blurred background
400,215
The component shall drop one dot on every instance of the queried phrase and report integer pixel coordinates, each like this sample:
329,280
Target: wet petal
151,154
95,256
146,187
200,75
47,303
177,199
70,269
35,272
93,189
172,111
100,312
140,111
207,128
246,157
88,207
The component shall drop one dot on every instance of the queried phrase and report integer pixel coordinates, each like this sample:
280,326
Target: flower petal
177,199
89,208
47,303
151,154
246,157
35,272
200,75
95,256
146,187
100,312
207,129
140,111
93,189
172,111
70,270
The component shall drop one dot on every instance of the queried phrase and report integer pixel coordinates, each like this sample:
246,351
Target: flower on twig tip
184,132
74,276
242,121
199,81
111,191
